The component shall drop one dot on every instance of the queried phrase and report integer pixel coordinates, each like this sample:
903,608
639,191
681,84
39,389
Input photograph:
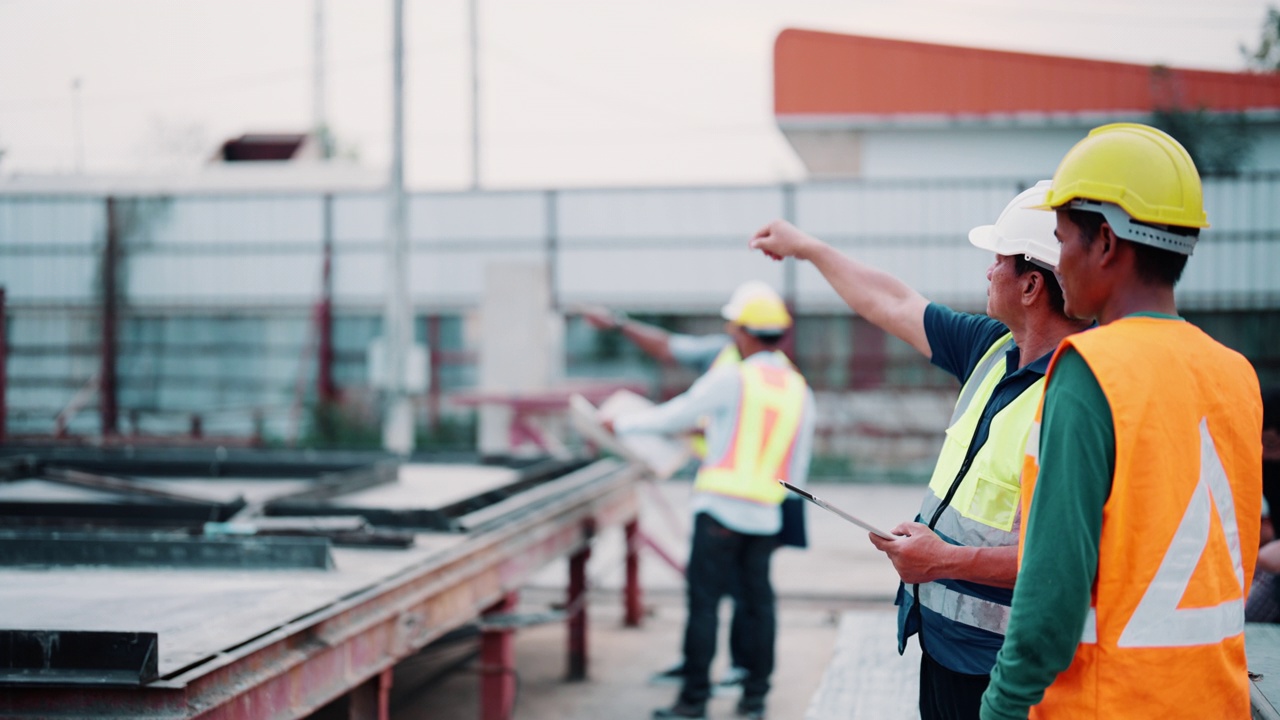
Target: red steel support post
577,620
4,368
372,699
632,598
433,370
498,665
108,410
326,388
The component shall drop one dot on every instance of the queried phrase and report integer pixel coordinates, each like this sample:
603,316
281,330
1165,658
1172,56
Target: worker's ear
1105,246
1032,286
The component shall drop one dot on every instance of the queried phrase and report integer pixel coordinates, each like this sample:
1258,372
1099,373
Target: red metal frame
498,664
576,602
326,388
632,594
305,664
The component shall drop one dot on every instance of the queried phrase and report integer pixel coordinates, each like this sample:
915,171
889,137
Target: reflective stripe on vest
983,508
964,609
1164,635
759,452
728,355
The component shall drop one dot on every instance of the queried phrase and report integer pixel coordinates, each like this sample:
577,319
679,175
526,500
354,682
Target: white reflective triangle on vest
1158,621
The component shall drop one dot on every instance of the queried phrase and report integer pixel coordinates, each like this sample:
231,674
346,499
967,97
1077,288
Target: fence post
4,368
108,410
553,247
789,272
326,389
433,368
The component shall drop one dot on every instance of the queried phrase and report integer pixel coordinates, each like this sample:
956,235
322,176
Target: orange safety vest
729,355
759,453
1165,632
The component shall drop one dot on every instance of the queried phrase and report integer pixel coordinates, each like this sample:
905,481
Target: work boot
673,675
682,709
731,682
750,708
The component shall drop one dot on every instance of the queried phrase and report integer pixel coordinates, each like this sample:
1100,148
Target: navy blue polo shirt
959,340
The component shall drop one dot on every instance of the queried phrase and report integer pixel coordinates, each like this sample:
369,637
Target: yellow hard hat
756,306
1141,170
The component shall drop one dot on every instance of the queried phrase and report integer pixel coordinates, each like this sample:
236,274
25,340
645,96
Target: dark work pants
948,695
718,553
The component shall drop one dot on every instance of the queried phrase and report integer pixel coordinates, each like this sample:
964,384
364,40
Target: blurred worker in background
1141,486
758,419
958,560
1264,595
702,353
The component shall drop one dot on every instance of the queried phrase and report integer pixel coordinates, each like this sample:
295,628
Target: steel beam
301,666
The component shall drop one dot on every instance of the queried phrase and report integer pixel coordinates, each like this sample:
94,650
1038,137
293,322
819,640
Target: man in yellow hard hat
758,418
1142,481
703,353
958,560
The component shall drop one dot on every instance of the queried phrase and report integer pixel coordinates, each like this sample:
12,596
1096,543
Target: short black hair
768,338
1153,265
1022,266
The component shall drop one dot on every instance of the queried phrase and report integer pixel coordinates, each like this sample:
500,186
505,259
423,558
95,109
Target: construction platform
216,584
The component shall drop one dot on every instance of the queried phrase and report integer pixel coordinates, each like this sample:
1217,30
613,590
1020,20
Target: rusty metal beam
300,667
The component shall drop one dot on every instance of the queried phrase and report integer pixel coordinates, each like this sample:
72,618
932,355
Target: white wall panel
456,278
255,220
39,278
694,279
676,213
360,219
186,278
504,216
973,153
52,222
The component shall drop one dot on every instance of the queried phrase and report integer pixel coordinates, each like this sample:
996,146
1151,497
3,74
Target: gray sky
574,92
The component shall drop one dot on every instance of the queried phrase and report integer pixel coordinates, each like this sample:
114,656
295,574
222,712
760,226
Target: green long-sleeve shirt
1060,550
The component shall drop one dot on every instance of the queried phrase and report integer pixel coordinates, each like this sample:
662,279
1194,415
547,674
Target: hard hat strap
1129,229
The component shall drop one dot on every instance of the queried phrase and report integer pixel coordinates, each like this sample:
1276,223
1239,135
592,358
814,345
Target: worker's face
737,334
1073,268
1004,288
1271,447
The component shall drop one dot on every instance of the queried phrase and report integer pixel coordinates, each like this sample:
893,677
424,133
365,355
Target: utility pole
319,112
77,126
473,7
397,426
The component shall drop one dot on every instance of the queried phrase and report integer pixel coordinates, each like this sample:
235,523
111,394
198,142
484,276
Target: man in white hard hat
703,353
958,559
758,418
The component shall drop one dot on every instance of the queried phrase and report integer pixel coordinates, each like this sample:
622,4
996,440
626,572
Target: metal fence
235,314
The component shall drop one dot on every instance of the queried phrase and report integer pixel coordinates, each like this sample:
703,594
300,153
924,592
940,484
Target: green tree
1219,143
1266,57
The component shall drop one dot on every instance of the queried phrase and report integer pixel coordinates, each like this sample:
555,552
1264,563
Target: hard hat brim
985,237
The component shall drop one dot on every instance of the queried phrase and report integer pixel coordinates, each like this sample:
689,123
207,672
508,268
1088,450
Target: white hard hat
756,306
1021,230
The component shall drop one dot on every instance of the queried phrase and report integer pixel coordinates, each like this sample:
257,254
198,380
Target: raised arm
653,340
881,298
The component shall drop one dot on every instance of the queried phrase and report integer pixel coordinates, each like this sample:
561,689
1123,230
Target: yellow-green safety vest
760,450
983,511
729,355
